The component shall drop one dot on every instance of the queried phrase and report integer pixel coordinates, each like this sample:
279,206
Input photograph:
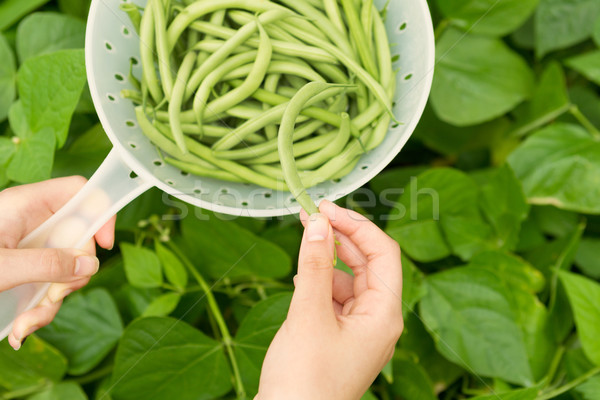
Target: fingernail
27,332
317,228
86,265
17,346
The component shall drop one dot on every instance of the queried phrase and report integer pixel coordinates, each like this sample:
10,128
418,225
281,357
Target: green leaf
255,335
590,389
520,394
33,158
163,358
34,364
470,87
49,88
559,165
410,380
7,150
84,155
470,315
142,266
488,17
563,23
46,32
587,64
85,330
61,391
174,269
514,271
8,74
162,305
587,258
412,285
223,247
12,10
76,8
504,205
584,295
596,33
435,217
550,100
588,102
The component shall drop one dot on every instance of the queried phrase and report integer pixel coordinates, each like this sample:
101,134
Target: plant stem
583,120
216,312
93,376
441,28
574,383
554,365
25,391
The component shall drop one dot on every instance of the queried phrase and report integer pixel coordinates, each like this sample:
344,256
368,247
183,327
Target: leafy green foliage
494,201
160,358
470,86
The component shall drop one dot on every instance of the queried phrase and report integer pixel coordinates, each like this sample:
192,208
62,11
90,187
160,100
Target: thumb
19,266
313,293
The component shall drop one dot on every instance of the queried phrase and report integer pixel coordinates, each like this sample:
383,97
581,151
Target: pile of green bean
284,94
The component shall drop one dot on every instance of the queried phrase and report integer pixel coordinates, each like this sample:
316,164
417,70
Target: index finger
384,270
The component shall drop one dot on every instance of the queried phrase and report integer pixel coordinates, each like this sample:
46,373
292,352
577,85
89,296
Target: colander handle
111,187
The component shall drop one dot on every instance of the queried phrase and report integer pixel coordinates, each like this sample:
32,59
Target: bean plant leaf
49,88
12,10
520,394
162,305
46,32
85,330
488,17
587,258
61,391
596,33
590,389
174,269
256,333
562,23
584,296
470,315
8,74
587,64
470,87
33,158
163,358
142,266
410,380
550,100
226,248
83,155
76,8
7,150
559,166
36,363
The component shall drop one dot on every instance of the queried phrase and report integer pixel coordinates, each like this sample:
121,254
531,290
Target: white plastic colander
111,43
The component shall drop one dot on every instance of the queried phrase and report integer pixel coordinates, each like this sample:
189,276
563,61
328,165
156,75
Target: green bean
271,83
201,8
278,67
242,92
212,131
212,45
236,136
133,12
177,99
279,46
352,65
164,63
196,169
217,18
366,21
264,148
333,12
299,149
242,18
285,143
149,77
230,44
330,150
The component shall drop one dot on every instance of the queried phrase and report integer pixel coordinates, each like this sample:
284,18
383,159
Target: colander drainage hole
119,77
395,58
133,175
158,163
130,124
132,145
170,182
110,97
267,195
197,191
364,167
402,27
184,173
395,125
125,31
134,60
224,191
407,77
245,203
108,46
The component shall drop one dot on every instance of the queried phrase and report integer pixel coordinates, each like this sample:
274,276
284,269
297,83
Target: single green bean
149,76
199,170
285,143
177,99
217,18
278,67
366,21
162,50
334,14
271,83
